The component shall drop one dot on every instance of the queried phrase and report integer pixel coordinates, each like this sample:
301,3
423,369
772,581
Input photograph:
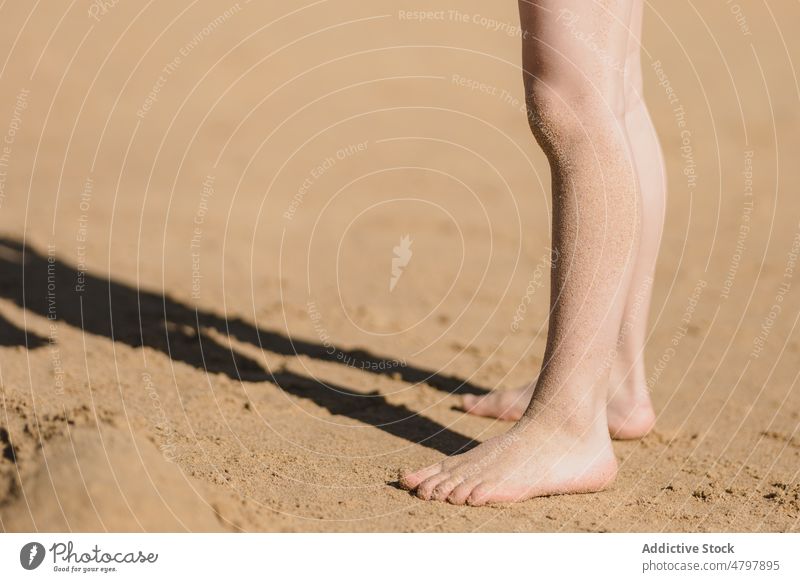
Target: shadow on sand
50,288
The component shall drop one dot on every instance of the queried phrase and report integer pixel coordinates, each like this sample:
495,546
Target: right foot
536,457
630,411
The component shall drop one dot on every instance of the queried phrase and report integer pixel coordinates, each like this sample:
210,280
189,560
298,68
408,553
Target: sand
199,211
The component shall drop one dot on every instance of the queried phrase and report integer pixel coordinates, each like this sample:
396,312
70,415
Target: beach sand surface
203,328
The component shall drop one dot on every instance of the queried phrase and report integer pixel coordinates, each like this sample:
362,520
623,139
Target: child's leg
630,413
577,110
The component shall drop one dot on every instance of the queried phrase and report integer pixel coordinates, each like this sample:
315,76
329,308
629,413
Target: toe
443,489
468,402
458,496
481,494
411,481
425,489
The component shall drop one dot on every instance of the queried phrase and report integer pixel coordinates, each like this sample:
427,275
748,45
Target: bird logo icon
402,256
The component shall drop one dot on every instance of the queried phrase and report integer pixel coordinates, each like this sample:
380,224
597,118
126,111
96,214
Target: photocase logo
402,255
31,555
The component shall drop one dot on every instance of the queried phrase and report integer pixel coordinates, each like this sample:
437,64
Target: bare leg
630,412
576,100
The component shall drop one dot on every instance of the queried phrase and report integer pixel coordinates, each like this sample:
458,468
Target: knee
568,115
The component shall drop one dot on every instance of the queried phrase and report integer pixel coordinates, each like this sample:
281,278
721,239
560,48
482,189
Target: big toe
468,402
481,405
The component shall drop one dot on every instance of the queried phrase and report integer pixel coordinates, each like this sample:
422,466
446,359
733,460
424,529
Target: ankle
627,374
578,415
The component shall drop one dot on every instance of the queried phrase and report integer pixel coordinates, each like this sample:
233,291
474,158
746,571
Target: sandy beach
203,326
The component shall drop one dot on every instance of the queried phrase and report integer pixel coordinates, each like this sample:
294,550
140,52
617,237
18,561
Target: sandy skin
587,113
542,454
629,409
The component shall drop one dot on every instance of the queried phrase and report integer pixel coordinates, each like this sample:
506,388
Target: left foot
500,404
629,409
533,459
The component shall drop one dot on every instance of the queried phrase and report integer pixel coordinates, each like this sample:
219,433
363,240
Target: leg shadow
100,306
11,335
157,321
361,359
372,408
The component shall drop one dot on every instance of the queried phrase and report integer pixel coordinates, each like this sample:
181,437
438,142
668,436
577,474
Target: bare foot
502,404
630,411
533,459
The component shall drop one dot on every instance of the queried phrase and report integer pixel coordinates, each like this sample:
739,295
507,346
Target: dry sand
220,260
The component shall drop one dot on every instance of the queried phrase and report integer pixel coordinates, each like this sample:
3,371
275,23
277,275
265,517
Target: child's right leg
630,412
577,113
